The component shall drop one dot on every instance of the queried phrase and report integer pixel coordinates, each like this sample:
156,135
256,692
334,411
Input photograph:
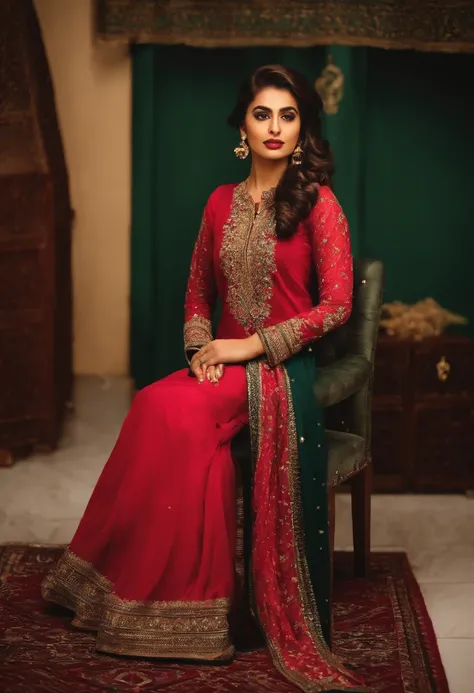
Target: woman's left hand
229,351
215,373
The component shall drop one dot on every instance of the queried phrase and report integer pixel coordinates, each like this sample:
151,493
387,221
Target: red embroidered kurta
266,285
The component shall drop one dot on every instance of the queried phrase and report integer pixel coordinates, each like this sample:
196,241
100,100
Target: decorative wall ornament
427,25
330,87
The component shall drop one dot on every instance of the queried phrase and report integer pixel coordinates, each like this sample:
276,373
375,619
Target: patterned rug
381,623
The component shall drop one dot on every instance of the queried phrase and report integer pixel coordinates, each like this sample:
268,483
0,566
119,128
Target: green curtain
419,206
403,148
404,151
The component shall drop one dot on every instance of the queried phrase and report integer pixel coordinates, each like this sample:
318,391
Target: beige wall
93,89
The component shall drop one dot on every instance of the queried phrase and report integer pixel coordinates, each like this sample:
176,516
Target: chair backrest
358,336
363,325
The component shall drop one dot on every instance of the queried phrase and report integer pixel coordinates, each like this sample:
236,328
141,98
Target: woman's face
272,124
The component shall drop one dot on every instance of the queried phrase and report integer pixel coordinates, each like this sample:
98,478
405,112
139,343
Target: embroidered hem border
184,630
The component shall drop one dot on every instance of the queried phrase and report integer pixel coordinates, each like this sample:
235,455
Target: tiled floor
43,498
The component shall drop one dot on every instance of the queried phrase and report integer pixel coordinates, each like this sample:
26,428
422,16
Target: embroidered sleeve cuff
280,341
197,333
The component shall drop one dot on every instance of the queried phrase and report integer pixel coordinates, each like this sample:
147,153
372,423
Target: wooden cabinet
35,226
423,415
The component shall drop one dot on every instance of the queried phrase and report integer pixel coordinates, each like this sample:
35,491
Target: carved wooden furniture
35,224
423,415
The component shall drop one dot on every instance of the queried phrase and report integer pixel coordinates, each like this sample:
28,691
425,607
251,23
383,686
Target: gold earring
297,156
242,151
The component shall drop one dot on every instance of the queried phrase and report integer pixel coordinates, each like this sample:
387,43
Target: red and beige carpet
381,626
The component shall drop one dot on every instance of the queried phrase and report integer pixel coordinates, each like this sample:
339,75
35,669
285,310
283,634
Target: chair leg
361,489
332,531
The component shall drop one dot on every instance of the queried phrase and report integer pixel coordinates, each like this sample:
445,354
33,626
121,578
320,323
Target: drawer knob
443,369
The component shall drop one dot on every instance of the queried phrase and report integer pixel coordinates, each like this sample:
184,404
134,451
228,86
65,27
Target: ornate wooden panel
423,415
35,224
444,367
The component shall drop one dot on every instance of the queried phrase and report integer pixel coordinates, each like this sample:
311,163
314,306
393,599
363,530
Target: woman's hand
197,370
221,351
215,373
212,373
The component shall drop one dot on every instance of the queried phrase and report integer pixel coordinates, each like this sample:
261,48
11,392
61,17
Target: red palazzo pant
151,566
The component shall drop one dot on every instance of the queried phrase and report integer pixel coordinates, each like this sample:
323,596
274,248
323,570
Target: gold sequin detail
254,398
179,629
247,257
197,333
310,614
280,341
305,588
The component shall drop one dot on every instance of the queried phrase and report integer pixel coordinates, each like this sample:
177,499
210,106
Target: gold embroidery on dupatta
308,602
248,257
254,398
305,588
178,629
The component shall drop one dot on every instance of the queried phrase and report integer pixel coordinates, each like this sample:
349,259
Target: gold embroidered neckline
267,199
248,257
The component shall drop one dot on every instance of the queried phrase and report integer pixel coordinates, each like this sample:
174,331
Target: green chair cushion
345,455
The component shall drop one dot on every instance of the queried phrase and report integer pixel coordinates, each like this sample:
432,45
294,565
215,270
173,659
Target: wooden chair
344,389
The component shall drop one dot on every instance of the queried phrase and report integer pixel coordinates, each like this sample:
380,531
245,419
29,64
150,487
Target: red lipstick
273,144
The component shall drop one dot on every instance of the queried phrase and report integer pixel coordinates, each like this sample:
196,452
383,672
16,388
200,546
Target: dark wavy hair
297,192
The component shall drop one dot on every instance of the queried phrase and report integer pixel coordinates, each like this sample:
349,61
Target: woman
151,566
